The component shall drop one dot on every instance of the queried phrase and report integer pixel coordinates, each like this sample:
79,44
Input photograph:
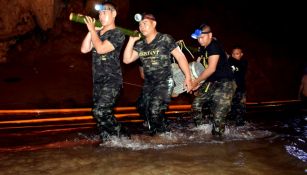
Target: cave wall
19,17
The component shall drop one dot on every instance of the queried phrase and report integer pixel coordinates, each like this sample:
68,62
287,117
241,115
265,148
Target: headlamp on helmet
100,7
139,17
197,33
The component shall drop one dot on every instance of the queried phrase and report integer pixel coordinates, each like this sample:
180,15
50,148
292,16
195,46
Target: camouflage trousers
104,98
153,102
238,108
216,96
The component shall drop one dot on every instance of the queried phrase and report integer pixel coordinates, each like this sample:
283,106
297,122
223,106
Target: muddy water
270,147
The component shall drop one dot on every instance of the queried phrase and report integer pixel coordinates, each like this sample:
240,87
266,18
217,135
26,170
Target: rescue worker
154,51
105,45
218,89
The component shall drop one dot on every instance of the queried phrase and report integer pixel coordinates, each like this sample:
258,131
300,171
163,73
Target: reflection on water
260,147
293,150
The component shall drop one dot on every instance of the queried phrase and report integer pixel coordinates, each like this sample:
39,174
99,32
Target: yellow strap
206,90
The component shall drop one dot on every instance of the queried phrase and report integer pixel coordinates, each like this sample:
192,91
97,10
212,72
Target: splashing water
179,136
296,152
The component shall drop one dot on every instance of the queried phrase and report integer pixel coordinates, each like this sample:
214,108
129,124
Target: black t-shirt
155,57
239,68
223,70
106,67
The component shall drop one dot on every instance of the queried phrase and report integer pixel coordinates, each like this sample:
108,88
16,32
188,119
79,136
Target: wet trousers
153,102
218,95
104,98
238,108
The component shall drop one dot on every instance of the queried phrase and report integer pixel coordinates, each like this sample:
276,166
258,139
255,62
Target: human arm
141,72
300,91
302,86
184,66
87,45
92,39
130,55
212,64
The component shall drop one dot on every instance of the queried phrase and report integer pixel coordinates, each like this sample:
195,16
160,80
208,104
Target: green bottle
80,19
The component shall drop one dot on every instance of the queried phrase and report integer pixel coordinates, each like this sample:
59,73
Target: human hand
188,85
90,23
195,85
136,36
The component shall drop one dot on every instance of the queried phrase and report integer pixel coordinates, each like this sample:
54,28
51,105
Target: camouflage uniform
216,92
238,107
107,83
158,85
